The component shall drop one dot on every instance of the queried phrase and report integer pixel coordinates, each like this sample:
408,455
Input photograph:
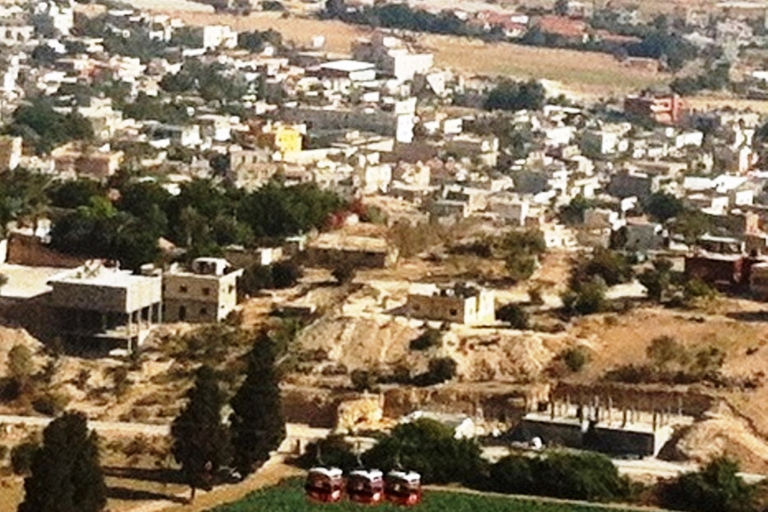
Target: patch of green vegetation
288,496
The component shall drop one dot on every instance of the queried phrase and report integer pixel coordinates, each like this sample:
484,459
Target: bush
585,298
696,289
575,359
716,488
363,380
344,272
21,457
441,369
665,350
612,267
583,476
50,404
515,315
332,451
426,340
429,448
285,274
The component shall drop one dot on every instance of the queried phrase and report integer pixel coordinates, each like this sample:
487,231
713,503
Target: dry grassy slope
381,342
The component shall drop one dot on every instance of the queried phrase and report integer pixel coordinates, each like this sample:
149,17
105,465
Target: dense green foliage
582,476
511,95
257,425
333,451
715,488
662,207
585,297
256,41
43,128
429,448
288,496
520,251
612,267
65,471
400,16
210,81
515,315
428,339
200,438
24,195
203,218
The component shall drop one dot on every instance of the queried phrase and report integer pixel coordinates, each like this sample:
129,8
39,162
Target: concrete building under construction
602,428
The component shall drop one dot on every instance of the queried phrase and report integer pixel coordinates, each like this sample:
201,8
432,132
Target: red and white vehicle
324,485
403,488
366,486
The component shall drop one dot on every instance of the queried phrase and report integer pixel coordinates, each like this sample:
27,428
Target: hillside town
237,257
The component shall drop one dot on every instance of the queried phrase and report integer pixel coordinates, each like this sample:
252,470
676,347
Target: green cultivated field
289,497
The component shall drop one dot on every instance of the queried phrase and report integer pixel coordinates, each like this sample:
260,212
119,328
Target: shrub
441,369
535,296
612,267
697,289
426,340
363,380
515,315
429,448
664,350
332,451
21,457
585,298
575,359
285,274
716,488
50,404
344,272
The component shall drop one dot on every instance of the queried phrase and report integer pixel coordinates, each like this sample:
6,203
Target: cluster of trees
203,217
138,44
716,78
668,361
439,370
591,278
584,476
64,473
210,81
43,128
667,287
400,16
521,251
256,41
203,444
431,449
514,96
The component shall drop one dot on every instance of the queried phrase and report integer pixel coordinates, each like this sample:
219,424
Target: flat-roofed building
330,249
105,307
205,292
460,303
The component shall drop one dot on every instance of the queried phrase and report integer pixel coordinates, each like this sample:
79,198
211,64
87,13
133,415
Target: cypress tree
200,439
65,473
257,422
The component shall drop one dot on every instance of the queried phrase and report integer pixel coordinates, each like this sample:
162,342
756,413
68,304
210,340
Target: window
203,311
416,307
183,289
206,291
231,288
182,313
454,312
